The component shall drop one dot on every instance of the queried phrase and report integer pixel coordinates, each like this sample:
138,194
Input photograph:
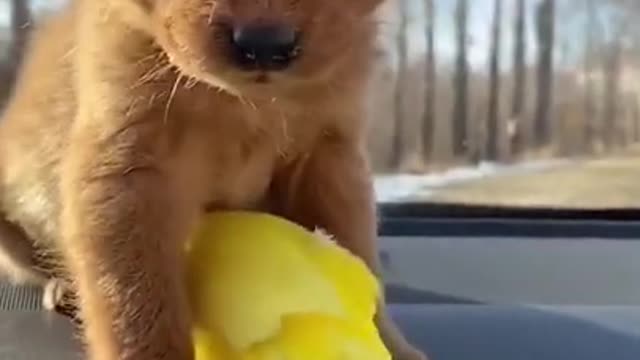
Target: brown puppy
132,117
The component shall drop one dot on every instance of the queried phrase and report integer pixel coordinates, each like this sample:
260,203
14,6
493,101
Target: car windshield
514,102
490,102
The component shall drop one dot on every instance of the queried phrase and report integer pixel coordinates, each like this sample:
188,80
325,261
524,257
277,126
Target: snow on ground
405,187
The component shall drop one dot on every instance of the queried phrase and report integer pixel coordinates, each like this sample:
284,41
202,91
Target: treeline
555,78
20,24
526,79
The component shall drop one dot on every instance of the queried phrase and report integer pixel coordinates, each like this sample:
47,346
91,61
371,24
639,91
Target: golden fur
128,121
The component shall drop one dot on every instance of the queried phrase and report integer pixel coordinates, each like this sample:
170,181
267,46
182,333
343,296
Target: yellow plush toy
263,288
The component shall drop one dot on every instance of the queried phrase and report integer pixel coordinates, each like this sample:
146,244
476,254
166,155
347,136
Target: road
613,181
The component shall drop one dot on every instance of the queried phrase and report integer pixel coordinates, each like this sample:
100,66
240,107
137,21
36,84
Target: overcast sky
4,8
480,17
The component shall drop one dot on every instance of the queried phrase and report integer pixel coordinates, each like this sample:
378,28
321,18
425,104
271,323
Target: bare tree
589,67
545,30
493,131
461,82
399,144
518,109
20,27
635,118
612,92
430,80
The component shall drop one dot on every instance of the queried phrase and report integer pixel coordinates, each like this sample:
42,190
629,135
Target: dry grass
609,182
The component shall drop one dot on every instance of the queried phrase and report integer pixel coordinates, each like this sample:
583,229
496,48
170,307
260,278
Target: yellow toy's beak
262,288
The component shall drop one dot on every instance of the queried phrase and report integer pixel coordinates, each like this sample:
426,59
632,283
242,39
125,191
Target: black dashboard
464,283
474,282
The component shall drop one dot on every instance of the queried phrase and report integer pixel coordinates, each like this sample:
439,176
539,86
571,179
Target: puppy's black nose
265,46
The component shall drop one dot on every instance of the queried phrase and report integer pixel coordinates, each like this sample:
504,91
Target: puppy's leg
331,189
18,264
52,294
123,226
17,255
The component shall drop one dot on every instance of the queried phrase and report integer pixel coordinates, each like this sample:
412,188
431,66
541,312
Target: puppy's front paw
52,294
408,352
395,341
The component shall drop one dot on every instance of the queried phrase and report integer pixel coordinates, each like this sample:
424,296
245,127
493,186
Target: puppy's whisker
153,56
191,82
153,98
172,95
246,102
156,72
212,8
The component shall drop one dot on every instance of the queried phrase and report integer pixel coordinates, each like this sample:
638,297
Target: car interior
498,284
504,145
